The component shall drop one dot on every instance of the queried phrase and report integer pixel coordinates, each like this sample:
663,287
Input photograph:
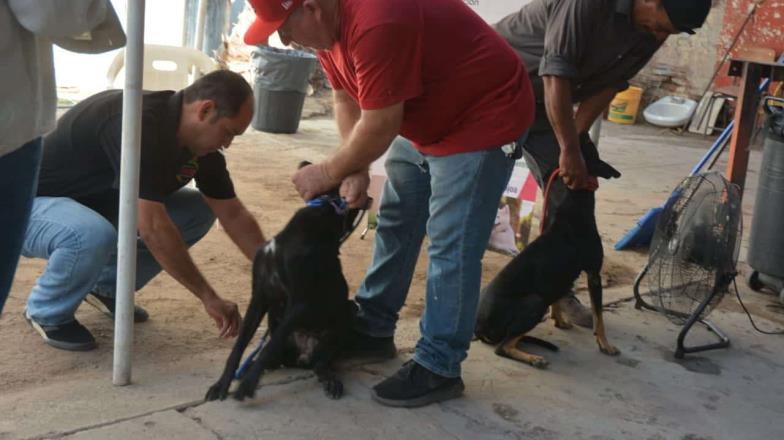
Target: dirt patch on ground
261,166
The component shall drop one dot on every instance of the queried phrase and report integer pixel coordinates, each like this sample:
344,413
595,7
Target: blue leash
339,203
241,370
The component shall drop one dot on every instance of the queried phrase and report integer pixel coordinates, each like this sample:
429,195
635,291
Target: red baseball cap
270,15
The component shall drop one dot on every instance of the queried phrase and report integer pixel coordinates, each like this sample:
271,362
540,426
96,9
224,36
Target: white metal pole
201,17
200,24
129,193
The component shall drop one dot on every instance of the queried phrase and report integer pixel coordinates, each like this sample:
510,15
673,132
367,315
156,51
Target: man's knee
204,217
191,213
201,222
97,238
63,224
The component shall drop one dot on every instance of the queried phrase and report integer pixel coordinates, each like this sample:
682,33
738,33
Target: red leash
546,196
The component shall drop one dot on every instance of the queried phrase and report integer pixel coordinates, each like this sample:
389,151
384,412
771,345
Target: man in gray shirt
584,52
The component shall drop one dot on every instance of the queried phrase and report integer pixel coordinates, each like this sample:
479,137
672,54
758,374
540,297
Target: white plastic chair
166,67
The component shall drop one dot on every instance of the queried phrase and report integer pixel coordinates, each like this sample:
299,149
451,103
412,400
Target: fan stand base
681,349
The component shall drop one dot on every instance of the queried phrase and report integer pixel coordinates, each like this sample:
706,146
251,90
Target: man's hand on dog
574,173
354,189
313,180
225,314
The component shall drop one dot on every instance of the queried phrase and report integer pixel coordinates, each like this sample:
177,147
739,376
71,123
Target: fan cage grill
695,246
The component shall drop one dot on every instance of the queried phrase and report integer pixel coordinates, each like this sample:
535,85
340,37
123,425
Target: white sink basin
670,111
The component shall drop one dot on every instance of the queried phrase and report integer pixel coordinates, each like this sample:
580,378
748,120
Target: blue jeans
454,199
81,247
18,183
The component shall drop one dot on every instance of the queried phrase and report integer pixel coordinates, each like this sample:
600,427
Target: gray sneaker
106,306
575,312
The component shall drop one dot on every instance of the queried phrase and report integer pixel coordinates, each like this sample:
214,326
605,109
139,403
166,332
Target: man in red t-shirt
454,101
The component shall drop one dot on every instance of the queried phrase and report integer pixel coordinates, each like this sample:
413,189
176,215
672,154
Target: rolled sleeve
569,28
557,65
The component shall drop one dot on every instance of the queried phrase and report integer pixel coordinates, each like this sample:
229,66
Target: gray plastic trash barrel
279,87
766,245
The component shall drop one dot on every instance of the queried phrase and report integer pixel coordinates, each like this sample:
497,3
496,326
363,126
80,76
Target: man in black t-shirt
74,217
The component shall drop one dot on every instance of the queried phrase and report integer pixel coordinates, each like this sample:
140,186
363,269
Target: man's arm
371,136
163,239
383,85
558,102
347,112
591,108
241,226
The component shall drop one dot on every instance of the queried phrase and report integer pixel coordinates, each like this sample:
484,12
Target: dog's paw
220,390
245,390
609,350
521,356
538,362
563,324
333,388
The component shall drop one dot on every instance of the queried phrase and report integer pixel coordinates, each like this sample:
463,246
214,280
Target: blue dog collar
338,203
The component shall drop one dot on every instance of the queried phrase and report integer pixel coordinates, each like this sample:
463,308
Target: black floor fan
693,255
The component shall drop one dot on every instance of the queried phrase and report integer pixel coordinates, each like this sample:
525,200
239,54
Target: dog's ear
596,166
304,163
602,169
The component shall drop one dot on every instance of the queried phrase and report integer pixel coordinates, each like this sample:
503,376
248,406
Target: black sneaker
106,306
414,385
72,336
363,347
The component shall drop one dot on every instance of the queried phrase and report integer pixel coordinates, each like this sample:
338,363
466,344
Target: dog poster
515,212
512,226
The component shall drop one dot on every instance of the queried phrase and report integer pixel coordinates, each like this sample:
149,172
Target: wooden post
745,118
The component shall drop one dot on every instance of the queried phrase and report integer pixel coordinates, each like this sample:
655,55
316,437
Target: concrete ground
644,393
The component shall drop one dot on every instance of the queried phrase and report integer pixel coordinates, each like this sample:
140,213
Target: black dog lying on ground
298,283
517,298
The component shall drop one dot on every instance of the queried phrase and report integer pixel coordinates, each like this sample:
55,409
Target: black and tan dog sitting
298,283
517,299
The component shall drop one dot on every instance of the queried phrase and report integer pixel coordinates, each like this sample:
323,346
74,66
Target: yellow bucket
623,108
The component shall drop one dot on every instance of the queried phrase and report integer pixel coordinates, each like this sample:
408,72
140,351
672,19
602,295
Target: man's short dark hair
227,89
